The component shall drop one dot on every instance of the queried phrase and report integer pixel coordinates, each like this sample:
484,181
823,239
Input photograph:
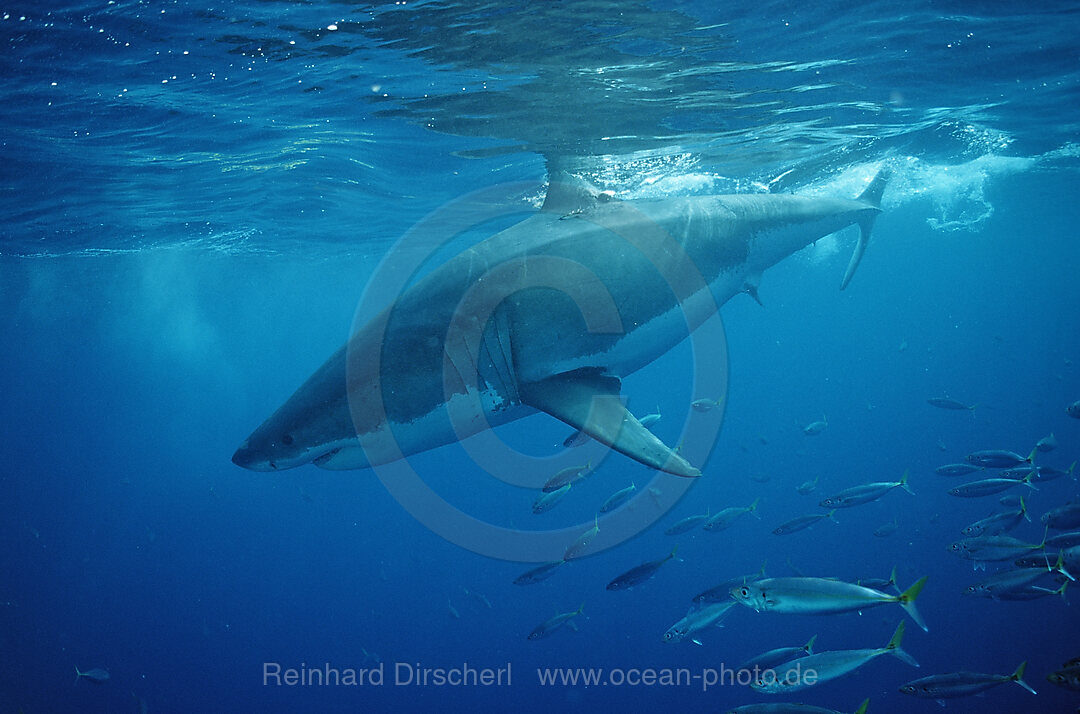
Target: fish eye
287,440
745,592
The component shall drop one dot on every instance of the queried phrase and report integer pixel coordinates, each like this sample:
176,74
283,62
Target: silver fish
778,656
698,618
581,543
648,420
687,524
999,458
96,675
548,626
723,519
1051,473
887,529
816,427
946,403
827,666
998,547
640,573
858,495
998,523
962,684
1063,518
822,596
547,501
566,476
957,469
539,573
1009,580
618,498
1064,540
1068,677
704,405
802,523
989,486
1047,443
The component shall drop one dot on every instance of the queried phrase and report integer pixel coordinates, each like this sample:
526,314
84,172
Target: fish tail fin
1023,509
1061,591
907,601
896,650
872,197
863,706
1031,457
892,577
671,555
580,610
1018,677
1072,467
753,508
831,517
897,637
808,648
78,675
903,483
1060,567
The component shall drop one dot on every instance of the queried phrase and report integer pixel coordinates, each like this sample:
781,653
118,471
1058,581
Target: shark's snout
248,458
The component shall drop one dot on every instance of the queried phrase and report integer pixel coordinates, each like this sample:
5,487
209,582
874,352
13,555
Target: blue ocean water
195,197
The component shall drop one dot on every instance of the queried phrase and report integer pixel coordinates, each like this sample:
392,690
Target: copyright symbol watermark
461,347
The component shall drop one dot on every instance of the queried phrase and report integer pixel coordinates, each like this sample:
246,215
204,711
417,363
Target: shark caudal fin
589,401
872,197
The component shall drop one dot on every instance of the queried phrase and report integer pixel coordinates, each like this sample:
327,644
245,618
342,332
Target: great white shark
547,315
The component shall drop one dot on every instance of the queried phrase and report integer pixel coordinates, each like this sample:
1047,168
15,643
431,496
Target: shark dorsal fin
568,194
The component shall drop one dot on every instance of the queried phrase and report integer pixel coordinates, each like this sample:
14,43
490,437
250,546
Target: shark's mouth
326,458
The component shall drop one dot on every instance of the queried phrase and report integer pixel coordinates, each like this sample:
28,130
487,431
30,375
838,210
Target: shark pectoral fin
589,401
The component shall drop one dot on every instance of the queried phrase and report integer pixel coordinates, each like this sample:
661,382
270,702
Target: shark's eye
287,440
